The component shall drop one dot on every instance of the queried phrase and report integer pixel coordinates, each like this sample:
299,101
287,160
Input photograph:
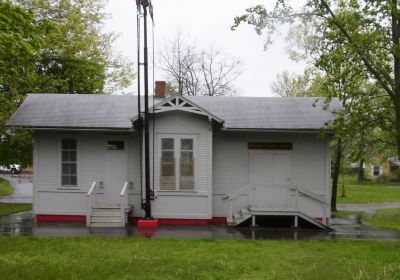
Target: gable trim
180,103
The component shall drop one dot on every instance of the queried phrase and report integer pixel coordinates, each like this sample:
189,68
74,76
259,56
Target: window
177,163
376,170
186,181
115,145
167,164
68,162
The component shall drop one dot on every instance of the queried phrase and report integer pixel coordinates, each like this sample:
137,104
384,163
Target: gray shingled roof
269,112
75,111
116,112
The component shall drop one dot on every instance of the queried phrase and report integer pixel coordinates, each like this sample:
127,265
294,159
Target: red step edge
152,223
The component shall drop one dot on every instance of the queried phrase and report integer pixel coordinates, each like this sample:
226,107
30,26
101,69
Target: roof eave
119,129
291,130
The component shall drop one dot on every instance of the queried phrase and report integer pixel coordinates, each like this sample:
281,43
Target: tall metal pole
147,205
139,111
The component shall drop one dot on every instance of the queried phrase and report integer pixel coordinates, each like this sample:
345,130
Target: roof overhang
282,130
60,128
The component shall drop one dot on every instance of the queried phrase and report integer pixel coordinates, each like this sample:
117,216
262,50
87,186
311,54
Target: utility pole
148,220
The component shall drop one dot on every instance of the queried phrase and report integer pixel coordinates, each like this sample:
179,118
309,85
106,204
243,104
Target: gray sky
207,22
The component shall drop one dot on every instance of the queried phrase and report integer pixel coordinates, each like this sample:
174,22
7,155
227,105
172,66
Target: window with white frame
69,162
376,170
177,168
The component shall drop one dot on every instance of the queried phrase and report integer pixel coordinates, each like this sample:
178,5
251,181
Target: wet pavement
367,207
23,189
352,227
22,224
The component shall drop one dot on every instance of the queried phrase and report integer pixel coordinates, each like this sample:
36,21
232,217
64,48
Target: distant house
214,159
387,169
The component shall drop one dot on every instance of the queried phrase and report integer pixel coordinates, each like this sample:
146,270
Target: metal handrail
90,201
124,194
243,190
123,191
92,188
309,194
314,196
246,190
249,190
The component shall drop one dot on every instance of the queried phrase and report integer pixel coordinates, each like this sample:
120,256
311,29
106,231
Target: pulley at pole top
145,4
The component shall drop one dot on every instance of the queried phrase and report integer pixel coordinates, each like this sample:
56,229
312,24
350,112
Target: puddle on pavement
21,224
22,188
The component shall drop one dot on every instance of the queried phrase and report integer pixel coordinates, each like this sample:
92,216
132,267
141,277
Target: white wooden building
214,159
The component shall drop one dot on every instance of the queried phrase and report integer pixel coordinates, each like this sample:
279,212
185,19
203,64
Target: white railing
298,190
91,200
124,201
247,190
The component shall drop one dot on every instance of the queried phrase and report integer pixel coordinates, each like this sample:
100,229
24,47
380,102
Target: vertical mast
147,203
147,207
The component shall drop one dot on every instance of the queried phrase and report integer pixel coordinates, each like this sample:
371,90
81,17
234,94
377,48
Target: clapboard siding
185,204
186,124
47,161
221,167
231,164
309,164
134,173
91,160
49,195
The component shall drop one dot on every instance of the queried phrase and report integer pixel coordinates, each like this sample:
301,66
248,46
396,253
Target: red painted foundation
60,218
134,220
213,221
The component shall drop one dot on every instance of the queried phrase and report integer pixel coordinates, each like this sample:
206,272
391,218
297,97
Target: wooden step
106,224
106,219
246,213
106,214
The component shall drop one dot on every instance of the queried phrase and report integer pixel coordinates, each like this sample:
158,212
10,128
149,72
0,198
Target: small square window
115,145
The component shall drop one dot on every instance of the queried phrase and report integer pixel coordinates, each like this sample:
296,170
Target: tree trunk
396,65
360,174
397,112
336,171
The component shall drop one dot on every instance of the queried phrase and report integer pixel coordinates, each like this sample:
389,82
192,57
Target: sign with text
270,146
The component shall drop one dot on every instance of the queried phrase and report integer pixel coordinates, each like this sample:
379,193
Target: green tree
364,35
52,46
353,45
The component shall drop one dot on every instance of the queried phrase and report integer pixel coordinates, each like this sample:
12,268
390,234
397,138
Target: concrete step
103,212
106,215
106,219
106,224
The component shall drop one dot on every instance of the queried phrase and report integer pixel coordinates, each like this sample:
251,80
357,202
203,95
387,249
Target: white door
116,170
270,172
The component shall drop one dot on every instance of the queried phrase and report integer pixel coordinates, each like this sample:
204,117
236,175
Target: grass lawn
368,192
137,258
385,218
5,187
10,208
